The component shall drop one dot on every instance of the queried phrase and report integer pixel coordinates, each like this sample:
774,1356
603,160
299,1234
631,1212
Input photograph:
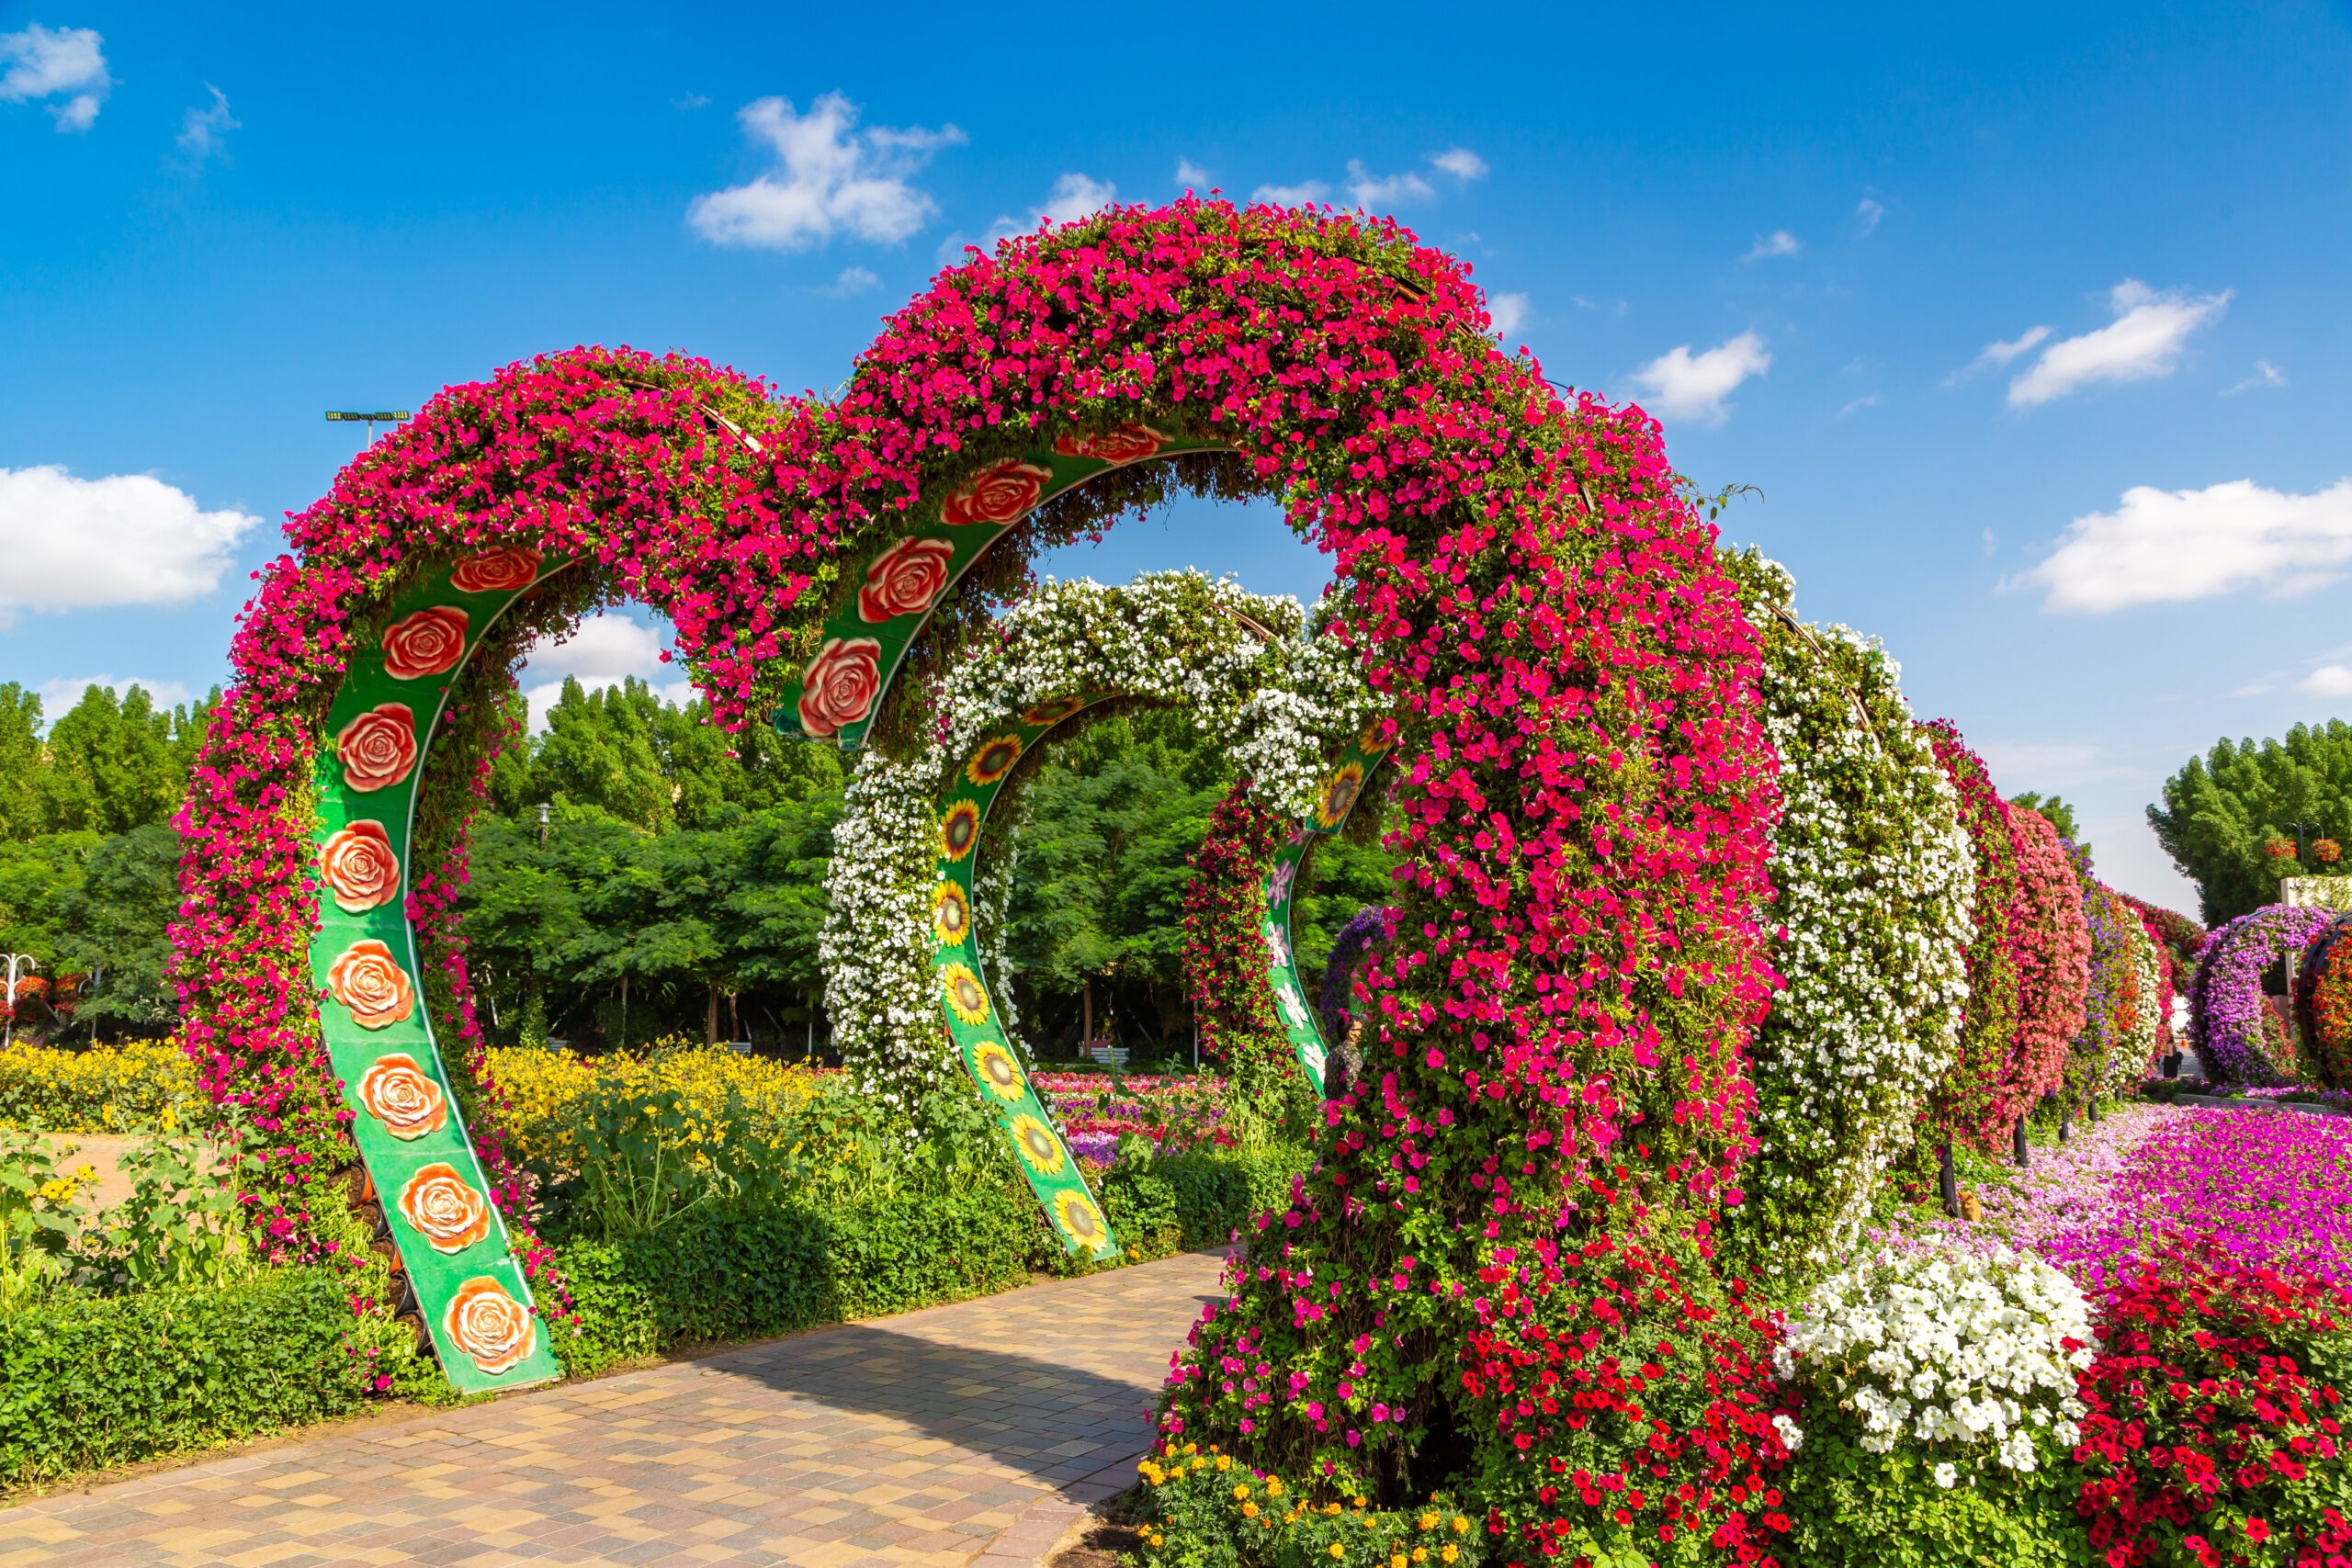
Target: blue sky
2029,324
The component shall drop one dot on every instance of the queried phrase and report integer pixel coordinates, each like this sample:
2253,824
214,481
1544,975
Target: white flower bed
1253,672
1976,1352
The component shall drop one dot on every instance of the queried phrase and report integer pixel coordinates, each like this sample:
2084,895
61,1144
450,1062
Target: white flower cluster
1876,885
2128,1061
1977,1351
1253,672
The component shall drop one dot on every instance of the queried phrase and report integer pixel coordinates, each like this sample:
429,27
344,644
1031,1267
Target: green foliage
180,1225
39,1217
2221,808
1202,1511
115,927
1853,1509
1160,1205
87,1381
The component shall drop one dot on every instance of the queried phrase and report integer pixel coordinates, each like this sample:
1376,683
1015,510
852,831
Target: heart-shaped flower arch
1583,788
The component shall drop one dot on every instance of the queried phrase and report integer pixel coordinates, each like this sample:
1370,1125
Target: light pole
14,960
350,416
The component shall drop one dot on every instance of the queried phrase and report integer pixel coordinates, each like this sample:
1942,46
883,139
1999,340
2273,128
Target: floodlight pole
352,416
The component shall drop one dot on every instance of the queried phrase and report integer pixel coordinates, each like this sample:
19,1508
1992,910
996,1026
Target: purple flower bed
2270,1189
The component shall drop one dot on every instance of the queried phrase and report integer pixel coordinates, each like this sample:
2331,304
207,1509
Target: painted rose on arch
401,1094
1129,442
488,1326
905,580
359,867
997,496
378,747
443,1208
496,569
430,642
369,981
839,686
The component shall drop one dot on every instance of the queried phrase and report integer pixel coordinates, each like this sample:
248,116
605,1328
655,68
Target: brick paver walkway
966,1434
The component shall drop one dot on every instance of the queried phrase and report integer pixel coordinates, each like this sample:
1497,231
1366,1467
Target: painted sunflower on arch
993,1064
1052,711
965,996
1079,1219
959,830
994,760
1040,1150
950,914
1338,795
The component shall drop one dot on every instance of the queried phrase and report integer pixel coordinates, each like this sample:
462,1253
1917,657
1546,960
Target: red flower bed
2213,1436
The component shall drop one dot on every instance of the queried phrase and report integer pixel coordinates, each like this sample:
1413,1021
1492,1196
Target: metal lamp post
14,959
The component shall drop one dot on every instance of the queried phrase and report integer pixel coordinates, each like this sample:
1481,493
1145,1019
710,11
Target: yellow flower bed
1202,1508
727,1097
140,1086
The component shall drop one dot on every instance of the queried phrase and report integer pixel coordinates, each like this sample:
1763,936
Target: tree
116,763
116,928
2221,810
21,761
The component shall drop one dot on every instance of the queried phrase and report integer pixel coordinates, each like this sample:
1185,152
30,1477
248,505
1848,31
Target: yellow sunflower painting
994,760
1338,793
966,997
959,830
1079,1219
1372,739
994,1066
1053,711
1039,1149
950,914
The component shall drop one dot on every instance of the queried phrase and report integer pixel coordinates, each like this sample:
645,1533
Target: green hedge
89,1381
751,1272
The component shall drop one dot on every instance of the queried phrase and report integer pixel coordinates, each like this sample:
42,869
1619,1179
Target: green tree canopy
2221,808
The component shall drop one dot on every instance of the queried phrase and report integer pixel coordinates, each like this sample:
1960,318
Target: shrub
551,1093
1941,1399
1164,1204
87,1381
2213,1431
139,1085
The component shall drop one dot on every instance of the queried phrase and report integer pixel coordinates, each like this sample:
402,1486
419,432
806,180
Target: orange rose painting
430,642
369,981
378,747
404,1097
488,1327
360,868
443,1208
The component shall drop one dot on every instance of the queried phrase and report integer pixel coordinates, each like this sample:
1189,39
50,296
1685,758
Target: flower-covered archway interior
1555,1101
912,906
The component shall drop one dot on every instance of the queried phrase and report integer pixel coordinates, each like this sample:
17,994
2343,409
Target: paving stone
949,1438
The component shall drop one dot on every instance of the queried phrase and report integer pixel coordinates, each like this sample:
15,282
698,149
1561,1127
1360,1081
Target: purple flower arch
2236,1033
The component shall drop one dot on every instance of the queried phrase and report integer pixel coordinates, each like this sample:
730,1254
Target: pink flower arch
1584,790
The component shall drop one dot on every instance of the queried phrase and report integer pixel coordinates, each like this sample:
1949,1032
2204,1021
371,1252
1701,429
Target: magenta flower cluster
2237,1033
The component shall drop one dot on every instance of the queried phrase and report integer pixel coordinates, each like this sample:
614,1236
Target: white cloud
2327,680
48,63
1997,354
1191,175
1461,163
1867,400
58,695
71,543
1367,192
1509,310
853,280
1992,543
1076,196
602,651
1292,196
2143,343
2166,547
2265,374
1681,384
1867,216
832,178
690,102
201,130
1778,242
